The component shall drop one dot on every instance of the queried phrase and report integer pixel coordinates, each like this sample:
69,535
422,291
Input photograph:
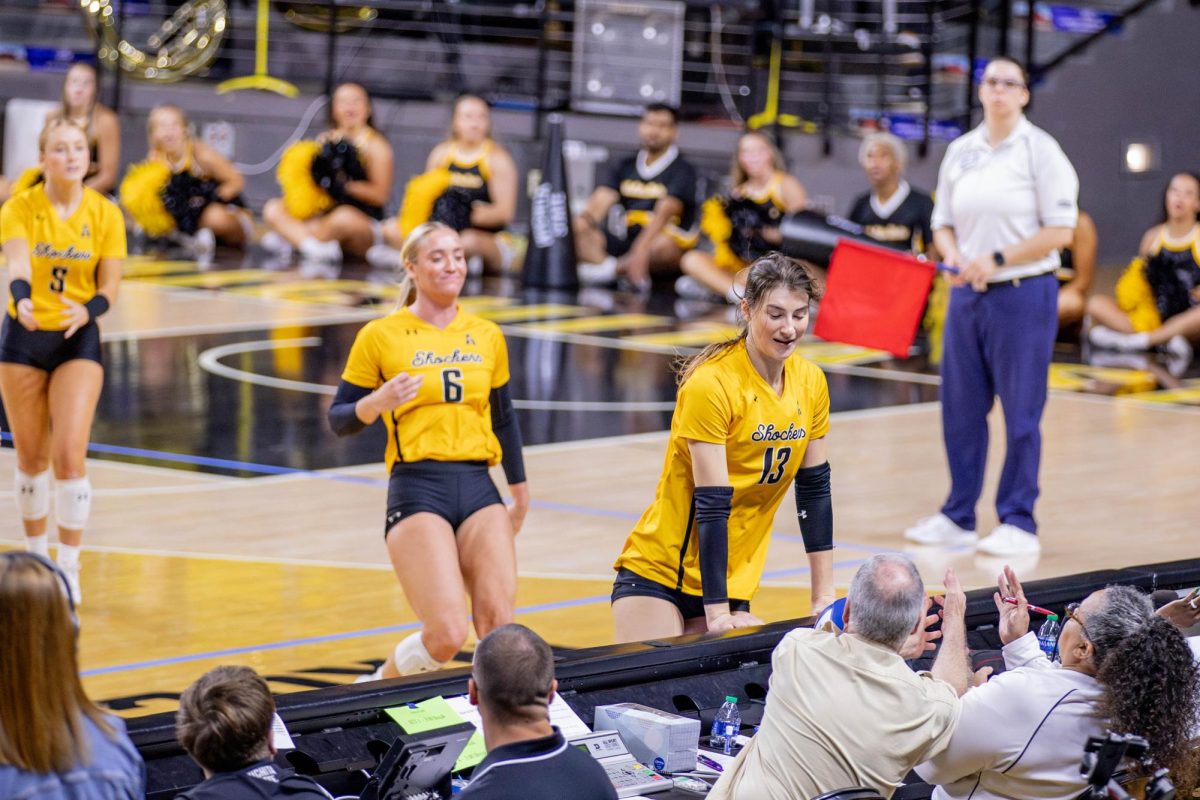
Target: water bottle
1048,636
726,725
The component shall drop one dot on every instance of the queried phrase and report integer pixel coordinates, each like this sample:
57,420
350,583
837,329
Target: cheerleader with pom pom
1157,302
742,225
185,189
470,184
334,189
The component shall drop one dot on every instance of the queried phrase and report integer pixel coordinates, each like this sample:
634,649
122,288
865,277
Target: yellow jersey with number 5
450,419
765,434
63,253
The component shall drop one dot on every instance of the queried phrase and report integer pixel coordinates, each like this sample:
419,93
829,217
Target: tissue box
662,741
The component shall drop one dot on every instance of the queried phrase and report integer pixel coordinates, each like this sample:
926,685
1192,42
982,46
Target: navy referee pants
997,343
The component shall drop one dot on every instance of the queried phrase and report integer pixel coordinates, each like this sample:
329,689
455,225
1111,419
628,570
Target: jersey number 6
452,388
773,463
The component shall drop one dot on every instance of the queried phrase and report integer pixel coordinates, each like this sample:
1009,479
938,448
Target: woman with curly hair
1123,669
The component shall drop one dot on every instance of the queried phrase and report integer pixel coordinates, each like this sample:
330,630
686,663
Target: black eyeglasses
1003,83
1072,610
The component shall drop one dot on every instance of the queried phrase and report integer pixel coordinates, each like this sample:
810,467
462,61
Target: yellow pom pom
302,197
29,178
1136,298
934,322
714,222
420,195
141,196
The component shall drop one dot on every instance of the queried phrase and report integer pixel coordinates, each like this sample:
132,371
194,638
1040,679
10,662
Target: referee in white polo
1006,203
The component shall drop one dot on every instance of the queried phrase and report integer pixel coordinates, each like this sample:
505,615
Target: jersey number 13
774,462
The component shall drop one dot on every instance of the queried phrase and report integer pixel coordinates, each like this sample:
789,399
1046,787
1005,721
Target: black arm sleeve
814,507
342,416
712,507
508,432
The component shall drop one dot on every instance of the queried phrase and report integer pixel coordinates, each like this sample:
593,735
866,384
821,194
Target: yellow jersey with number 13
63,253
765,434
450,419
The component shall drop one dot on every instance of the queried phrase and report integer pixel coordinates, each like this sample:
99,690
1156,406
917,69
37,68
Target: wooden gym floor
230,525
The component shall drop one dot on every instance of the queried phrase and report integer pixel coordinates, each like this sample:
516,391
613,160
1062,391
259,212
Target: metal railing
822,66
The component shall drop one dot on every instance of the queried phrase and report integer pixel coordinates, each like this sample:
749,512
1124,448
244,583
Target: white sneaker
71,573
204,245
275,244
1179,347
597,274
1118,360
1109,339
689,288
382,256
312,249
318,270
939,530
1009,540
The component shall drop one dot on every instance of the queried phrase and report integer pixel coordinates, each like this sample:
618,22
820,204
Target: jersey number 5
58,279
452,388
773,463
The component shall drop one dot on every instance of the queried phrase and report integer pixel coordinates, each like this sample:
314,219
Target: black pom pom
336,165
453,208
185,197
745,240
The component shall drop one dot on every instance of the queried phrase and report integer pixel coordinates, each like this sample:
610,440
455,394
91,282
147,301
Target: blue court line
268,469
781,573
331,637
220,463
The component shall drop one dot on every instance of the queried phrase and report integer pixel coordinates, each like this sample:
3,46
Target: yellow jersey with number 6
450,419
63,253
765,434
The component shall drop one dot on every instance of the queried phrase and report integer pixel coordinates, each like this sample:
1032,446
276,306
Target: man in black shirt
512,682
641,218
893,213
224,724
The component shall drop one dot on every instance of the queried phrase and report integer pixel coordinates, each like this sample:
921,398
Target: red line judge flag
873,297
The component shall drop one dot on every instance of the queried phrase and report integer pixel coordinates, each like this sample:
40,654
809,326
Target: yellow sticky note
426,715
473,753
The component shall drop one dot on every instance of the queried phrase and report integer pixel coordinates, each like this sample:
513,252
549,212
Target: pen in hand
1012,601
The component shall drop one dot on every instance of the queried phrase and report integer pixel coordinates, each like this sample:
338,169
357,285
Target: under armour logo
470,339
86,231
803,514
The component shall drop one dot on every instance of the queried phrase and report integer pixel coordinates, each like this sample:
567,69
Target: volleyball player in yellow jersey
750,420
438,376
65,244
